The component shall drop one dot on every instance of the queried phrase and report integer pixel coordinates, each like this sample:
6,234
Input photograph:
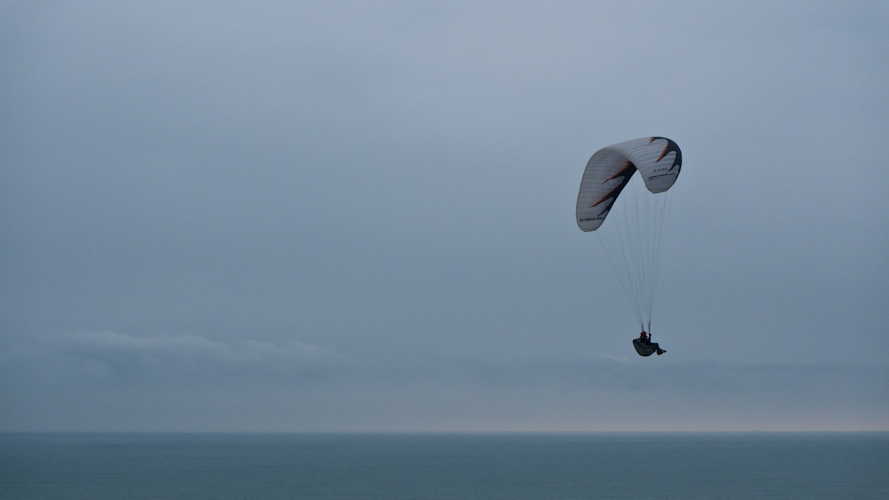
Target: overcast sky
359,216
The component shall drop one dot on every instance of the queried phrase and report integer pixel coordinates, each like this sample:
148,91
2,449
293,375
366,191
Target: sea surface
444,466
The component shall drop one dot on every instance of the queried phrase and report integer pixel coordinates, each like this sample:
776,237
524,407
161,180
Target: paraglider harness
644,346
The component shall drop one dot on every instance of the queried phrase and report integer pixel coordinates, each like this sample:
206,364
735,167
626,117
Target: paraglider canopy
657,159
633,235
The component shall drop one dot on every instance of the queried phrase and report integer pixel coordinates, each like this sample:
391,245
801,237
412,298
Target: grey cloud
301,386
330,210
117,360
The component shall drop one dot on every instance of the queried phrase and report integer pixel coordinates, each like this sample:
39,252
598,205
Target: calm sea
444,466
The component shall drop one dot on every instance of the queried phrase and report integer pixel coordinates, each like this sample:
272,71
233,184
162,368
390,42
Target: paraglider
634,235
645,347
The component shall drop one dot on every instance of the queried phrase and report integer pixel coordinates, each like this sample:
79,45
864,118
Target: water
444,466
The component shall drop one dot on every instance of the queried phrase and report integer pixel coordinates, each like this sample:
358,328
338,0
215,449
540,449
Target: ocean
445,466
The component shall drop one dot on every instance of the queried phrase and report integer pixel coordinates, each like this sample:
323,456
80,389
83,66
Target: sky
359,216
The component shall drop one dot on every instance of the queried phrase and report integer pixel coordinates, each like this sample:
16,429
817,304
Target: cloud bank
167,382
